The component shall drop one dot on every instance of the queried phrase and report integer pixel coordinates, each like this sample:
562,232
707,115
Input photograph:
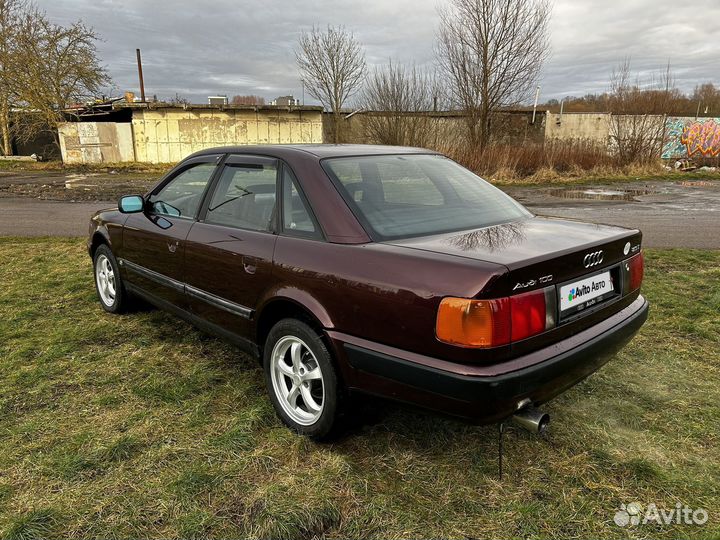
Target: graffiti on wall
702,138
688,137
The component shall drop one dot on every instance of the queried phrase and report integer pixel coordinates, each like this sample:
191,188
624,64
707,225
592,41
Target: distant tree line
248,100
704,100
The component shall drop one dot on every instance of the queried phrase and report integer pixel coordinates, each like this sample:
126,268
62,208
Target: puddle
696,183
600,194
78,181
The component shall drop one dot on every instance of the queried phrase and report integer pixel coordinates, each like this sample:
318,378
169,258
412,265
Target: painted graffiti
687,137
702,138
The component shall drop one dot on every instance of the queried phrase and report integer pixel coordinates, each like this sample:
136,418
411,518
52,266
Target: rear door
228,258
154,240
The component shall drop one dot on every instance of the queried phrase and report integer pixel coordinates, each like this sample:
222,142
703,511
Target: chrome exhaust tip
532,420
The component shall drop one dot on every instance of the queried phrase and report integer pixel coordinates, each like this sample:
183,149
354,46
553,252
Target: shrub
539,160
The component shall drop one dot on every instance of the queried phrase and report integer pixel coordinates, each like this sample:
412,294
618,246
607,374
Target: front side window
181,197
245,197
417,195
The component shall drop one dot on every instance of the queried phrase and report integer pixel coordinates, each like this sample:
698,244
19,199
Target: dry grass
547,163
139,426
59,166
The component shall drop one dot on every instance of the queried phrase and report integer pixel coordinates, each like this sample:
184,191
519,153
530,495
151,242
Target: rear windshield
400,196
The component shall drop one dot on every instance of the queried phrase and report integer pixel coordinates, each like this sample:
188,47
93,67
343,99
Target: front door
153,244
228,258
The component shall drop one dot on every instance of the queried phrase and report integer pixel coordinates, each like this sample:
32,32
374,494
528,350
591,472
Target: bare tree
638,109
44,67
332,68
179,100
10,17
491,52
397,100
61,67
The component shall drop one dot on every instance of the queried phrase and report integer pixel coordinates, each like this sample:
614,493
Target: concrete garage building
166,133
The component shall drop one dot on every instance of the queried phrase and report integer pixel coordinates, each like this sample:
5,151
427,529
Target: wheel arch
99,238
291,303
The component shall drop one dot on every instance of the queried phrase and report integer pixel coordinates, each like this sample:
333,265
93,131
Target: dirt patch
75,186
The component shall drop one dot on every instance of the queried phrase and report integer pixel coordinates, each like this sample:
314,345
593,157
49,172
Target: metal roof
318,150
154,105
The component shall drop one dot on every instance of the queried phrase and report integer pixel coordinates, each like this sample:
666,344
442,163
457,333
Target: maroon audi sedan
384,270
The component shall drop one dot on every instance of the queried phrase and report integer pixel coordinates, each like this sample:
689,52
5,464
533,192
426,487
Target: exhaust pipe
532,420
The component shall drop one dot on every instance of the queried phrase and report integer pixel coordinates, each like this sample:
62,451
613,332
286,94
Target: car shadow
369,422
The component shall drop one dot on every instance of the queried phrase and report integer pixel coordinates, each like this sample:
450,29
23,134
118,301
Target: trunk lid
537,251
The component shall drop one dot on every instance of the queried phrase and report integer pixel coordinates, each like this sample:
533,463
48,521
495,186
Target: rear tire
108,284
302,380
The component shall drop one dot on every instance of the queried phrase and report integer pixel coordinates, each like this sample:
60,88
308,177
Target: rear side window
399,196
296,216
245,197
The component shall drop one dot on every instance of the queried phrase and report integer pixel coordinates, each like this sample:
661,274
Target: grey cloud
198,49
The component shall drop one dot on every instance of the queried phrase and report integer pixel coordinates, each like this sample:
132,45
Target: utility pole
537,94
140,76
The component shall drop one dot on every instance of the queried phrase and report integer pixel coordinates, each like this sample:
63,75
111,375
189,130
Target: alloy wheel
297,380
105,278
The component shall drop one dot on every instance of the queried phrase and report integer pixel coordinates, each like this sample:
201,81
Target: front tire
301,379
108,284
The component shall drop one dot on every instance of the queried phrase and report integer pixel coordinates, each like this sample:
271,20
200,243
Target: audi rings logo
593,259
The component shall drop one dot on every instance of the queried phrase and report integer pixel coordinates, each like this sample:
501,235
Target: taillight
528,314
490,323
637,270
474,323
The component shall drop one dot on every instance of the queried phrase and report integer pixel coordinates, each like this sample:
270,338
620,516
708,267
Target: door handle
250,264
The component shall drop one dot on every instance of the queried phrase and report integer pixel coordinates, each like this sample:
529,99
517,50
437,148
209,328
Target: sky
223,47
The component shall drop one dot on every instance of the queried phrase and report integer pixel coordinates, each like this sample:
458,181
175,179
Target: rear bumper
487,393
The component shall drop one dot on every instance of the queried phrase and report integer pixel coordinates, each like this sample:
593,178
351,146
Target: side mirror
131,204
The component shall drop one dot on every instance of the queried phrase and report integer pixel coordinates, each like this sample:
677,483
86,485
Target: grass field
139,426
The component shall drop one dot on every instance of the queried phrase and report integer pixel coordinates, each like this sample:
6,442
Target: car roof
318,150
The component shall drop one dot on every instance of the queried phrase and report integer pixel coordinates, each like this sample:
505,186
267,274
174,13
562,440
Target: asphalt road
33,217
670,214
